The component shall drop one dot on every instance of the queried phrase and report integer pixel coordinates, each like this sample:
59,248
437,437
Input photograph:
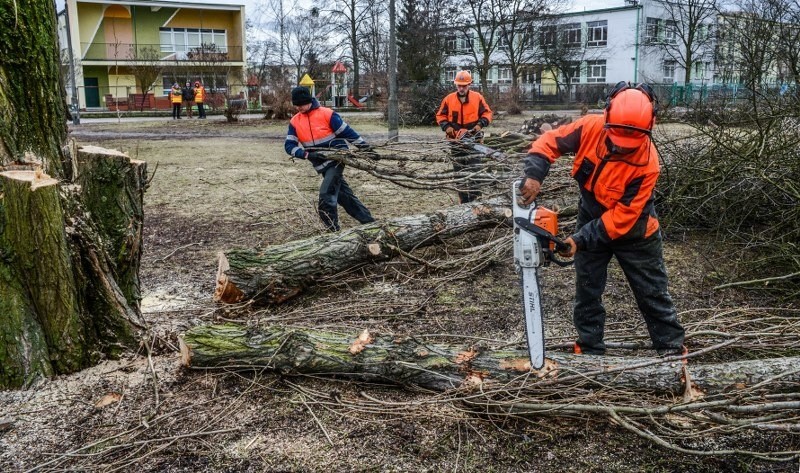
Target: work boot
668,352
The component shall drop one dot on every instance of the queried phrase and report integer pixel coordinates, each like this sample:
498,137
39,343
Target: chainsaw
535,245
474,140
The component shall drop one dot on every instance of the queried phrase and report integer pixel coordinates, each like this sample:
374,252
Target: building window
450,74
181,40
450,44
669,72
596,71
531,75
547,36
572,34
572,72
671,32
597,33
465,43
504,75
652,30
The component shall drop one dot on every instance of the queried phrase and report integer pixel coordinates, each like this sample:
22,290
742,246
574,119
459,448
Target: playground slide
355,102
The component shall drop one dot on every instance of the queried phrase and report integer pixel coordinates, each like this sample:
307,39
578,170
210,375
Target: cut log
437,366
278,273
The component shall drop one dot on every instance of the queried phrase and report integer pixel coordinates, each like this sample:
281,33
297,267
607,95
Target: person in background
199,98
175,100
461,112
313,130
188,98
616,168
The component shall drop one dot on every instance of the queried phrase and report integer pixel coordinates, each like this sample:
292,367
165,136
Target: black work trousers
465,160
642,262
335,191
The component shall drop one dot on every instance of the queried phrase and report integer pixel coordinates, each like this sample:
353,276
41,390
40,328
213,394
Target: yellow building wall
89,16
120,85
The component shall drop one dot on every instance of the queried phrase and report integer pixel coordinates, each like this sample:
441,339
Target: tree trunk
69,246
280,272
411,361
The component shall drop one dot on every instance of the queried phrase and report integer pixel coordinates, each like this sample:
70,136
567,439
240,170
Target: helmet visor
627,136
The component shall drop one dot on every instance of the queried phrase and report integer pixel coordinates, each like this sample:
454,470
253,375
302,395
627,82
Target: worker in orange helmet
616,168
464,113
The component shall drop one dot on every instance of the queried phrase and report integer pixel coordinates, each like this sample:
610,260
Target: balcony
153,53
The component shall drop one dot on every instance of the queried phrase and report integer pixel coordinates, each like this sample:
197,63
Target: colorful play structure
336,90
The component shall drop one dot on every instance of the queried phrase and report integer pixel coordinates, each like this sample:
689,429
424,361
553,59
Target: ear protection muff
642,87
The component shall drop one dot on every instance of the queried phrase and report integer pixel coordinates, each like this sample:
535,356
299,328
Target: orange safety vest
199,94
174,97
313,128
463,115
622,185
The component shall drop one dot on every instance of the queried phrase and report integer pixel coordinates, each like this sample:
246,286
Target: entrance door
92,92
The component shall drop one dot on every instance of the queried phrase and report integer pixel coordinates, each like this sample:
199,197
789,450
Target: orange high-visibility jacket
617,191
466,115
199,94
175,96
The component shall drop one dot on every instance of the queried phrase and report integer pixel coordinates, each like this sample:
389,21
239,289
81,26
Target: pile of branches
736,176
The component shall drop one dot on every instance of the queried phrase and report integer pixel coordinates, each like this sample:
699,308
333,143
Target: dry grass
220,186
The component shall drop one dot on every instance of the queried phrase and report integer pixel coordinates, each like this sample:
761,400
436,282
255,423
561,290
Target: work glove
369,153
314,155
450,132
530,190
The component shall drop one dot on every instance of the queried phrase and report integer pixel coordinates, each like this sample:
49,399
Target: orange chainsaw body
548,220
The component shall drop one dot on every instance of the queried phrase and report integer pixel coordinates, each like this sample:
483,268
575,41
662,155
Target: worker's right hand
530,190
314,155
450,132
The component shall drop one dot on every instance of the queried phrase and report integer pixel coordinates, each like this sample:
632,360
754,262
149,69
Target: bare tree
563,50
146,68
748,43
348,16
685,33
478,23
374,47
788,37
308,39
517,38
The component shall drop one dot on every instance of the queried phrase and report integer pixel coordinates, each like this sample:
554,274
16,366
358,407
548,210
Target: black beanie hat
301,96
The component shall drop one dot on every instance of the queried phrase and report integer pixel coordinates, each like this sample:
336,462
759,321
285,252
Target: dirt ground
218,186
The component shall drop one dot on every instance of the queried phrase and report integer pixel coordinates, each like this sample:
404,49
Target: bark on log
411,361
280,272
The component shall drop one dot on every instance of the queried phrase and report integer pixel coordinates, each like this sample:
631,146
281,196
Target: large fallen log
441,367
278,273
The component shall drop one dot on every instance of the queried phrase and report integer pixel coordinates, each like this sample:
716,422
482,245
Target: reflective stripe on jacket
617,190
317,129
199,94
459,115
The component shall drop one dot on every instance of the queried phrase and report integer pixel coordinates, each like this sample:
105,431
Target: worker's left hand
570,252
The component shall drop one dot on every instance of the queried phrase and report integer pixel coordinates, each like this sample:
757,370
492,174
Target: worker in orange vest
199,98
175,98
464,113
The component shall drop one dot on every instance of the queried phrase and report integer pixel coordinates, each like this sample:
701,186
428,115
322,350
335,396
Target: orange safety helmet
630,114
463,78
